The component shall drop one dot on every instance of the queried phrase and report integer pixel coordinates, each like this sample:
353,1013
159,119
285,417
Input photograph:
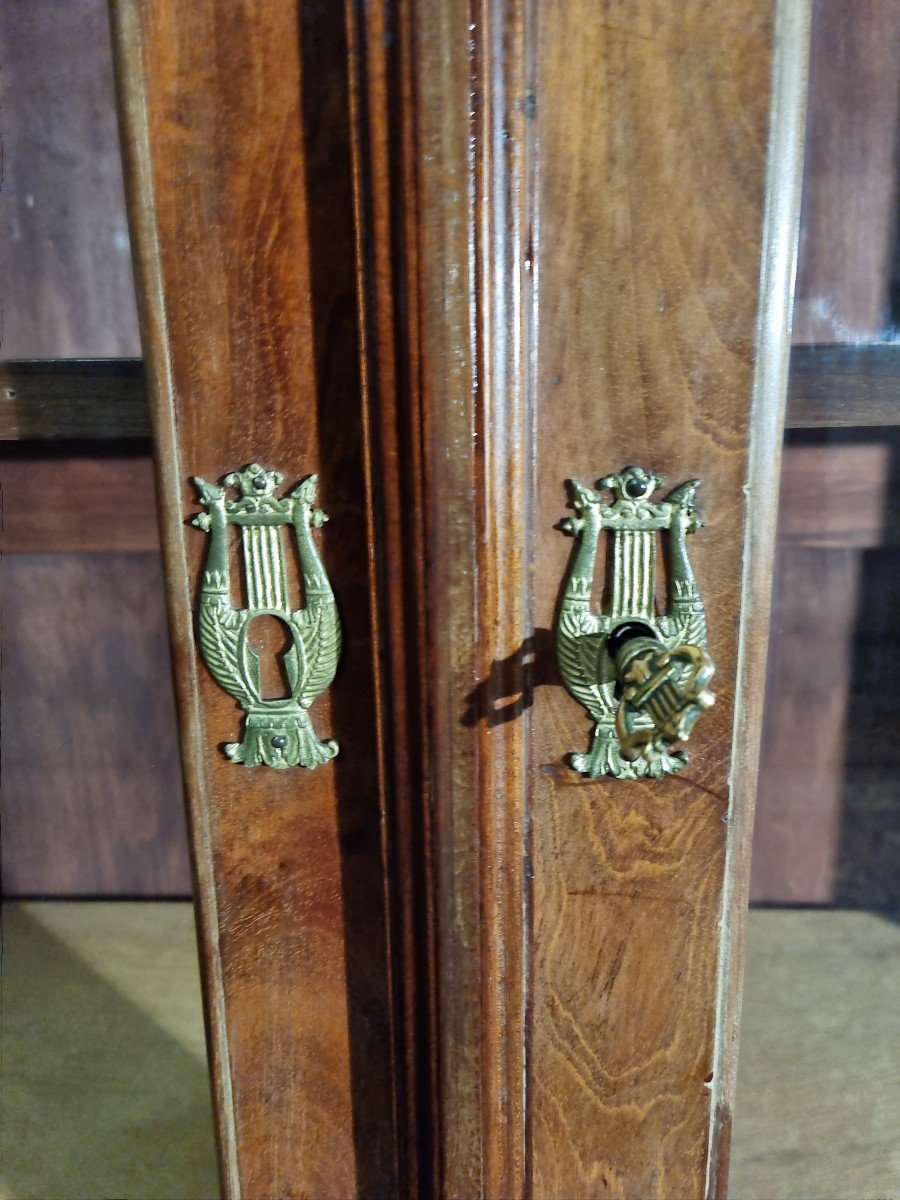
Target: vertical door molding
443,113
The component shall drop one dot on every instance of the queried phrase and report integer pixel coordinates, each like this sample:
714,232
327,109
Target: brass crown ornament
642,675
277,733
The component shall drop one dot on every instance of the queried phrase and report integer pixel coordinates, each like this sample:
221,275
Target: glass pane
104,1074
818,1104
65,263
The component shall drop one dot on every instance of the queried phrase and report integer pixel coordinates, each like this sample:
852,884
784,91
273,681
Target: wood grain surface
652,125
834,386
238,171
557,229
92,799
441,150
65,261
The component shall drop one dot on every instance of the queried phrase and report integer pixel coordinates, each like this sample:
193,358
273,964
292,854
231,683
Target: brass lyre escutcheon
642,675
277,733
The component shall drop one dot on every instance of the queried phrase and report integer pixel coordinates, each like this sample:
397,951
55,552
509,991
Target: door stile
488,249
149,287
236,123
504,238
652,124
449,254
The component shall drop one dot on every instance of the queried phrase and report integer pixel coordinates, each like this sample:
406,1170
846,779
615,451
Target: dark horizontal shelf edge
830,386
839,386
60,399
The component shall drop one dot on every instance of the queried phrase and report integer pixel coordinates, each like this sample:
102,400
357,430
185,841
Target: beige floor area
104,1088
818,1098
104,1085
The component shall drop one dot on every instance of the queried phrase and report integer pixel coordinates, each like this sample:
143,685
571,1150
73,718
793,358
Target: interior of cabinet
92,802
816,1101
825,818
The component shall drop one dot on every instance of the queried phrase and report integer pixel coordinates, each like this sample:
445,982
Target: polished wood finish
92,800
86,305
65,260
522,308
238,169
388,287
441,151
652,126
51,400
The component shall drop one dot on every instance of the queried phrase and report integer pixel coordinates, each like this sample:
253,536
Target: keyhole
271,639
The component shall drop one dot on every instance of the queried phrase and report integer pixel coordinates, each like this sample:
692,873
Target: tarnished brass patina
278,733
642,675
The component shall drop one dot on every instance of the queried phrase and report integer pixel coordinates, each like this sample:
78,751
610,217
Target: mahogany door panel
651,131
238,171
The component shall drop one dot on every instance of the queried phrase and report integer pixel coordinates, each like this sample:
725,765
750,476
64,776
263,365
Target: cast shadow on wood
508,690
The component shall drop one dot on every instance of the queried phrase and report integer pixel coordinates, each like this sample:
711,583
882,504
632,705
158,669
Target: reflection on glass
817,1104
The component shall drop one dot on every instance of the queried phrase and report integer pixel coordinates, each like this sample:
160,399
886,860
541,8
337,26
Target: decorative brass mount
643,676
278,733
